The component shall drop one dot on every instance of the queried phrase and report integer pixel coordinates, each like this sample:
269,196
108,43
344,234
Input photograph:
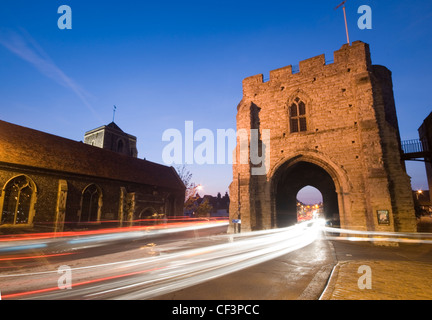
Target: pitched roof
28,147
113,125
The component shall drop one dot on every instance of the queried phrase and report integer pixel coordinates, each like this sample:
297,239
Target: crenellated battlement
354,57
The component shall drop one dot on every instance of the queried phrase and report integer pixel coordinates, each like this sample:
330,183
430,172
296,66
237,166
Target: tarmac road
327,270
301,274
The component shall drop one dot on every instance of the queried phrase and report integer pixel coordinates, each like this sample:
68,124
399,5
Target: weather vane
346,25
114,110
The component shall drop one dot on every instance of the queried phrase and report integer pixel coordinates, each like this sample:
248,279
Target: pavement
391,280
366,271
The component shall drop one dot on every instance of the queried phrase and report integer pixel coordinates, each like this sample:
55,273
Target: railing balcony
413,146
415,149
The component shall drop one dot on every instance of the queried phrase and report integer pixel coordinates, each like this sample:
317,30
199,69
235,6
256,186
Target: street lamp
194,189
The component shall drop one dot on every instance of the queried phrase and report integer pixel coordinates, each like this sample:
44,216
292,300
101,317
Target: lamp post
418,193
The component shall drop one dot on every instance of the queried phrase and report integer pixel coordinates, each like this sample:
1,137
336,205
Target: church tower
113,138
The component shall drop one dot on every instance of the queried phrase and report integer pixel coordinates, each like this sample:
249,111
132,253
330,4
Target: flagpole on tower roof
346,24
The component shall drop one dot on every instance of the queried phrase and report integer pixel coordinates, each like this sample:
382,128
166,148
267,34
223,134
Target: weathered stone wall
425,135
107,137
351,133
162,200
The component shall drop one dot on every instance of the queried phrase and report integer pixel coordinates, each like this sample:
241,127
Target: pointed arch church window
90,203
18,199
297,116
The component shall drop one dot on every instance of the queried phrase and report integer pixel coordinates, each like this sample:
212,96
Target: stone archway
289,175
292,177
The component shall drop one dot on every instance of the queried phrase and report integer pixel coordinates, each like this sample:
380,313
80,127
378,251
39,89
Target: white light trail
140,275
150,277
84,241
378,236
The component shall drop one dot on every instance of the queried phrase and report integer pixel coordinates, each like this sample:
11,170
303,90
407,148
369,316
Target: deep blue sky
163,63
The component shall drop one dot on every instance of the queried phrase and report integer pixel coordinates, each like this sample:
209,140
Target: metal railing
413,146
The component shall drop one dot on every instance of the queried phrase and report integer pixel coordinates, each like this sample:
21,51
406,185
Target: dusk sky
164,63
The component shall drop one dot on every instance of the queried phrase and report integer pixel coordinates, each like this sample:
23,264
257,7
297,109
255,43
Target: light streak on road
171,270
44,256
153,270
98,237
148,224
377,236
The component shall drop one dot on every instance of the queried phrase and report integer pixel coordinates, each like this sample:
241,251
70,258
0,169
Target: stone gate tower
332,126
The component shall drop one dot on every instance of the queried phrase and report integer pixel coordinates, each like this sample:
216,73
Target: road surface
151,265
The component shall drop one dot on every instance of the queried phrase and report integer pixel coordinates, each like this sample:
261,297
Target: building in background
425,134
111,137
50,183
208,206
422,203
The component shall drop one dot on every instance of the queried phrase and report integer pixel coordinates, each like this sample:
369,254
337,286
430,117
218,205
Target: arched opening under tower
309,204
290,178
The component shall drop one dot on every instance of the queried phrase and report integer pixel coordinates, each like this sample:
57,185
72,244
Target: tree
204,208
191,204
186,176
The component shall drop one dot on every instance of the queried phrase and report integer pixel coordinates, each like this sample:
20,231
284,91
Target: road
200,261
298,275
151,265
29,268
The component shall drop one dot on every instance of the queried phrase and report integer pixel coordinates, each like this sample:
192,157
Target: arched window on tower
90,203
120,145
19,196
297,115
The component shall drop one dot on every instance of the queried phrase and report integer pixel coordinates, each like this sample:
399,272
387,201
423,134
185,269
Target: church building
113,138
49,183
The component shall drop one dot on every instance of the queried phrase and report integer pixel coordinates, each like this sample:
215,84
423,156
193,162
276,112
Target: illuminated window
297,114
90,203
18,200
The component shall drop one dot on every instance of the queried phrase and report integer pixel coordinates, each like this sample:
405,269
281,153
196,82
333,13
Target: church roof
114,126
110,126
31,148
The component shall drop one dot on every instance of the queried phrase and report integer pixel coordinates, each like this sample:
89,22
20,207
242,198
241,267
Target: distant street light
195,190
